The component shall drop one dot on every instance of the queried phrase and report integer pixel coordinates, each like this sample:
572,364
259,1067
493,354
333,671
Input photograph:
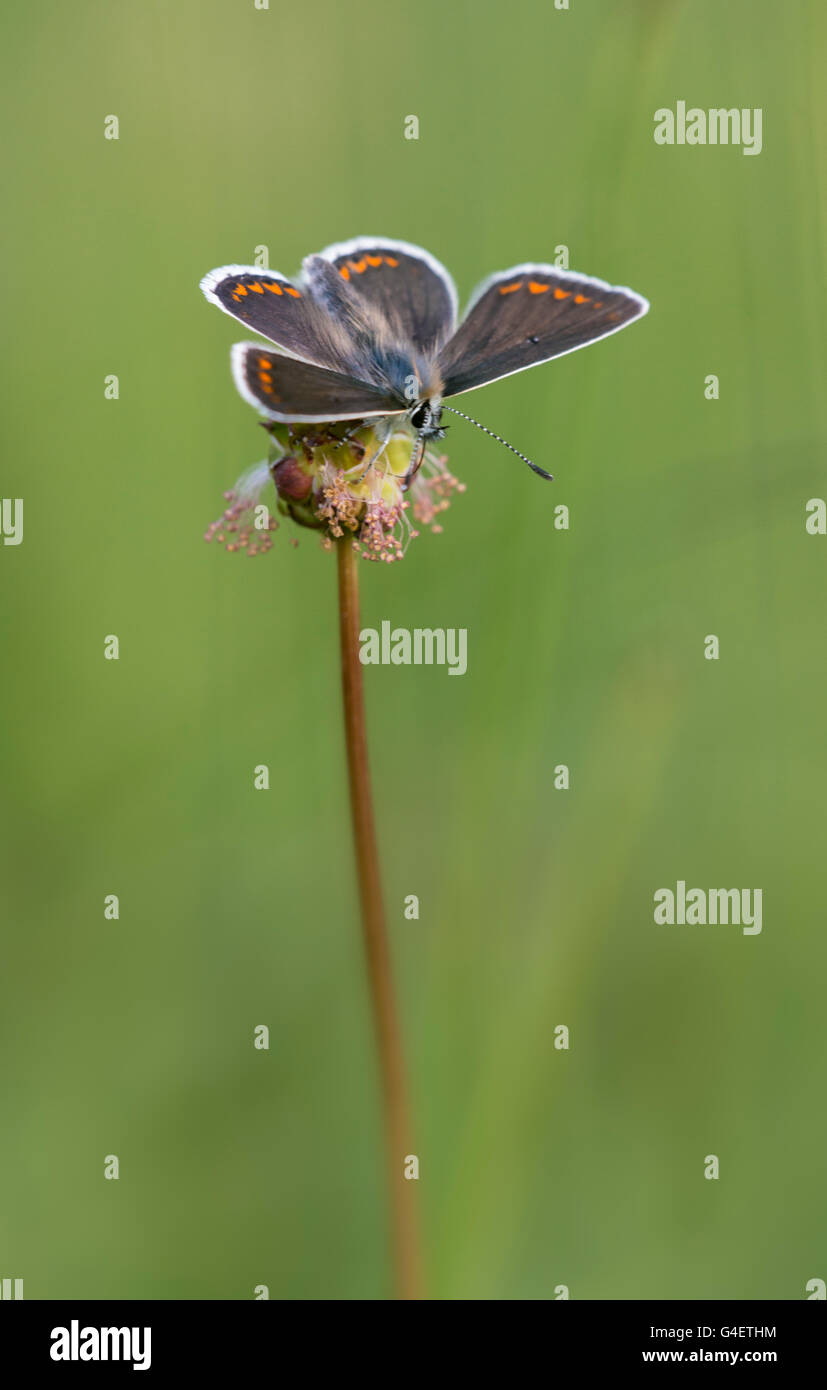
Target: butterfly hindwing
290,390
527,315
402,284
280,310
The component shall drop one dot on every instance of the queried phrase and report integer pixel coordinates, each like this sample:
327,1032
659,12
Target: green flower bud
348,479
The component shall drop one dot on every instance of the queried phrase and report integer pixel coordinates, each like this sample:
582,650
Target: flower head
343,479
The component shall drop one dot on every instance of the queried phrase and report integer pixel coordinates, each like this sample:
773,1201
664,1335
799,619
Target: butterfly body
370,329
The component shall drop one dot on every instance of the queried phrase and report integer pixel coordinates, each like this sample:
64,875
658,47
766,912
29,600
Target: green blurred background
539,1167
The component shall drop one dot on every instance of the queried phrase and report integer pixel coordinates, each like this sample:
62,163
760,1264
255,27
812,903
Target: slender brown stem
405,1227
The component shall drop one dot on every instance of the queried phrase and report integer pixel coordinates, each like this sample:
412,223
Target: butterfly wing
391,282
286,313
290,390
527,315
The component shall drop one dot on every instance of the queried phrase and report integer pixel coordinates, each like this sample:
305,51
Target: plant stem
407,1257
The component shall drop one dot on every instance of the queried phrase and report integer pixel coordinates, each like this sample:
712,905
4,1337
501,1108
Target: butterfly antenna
542,472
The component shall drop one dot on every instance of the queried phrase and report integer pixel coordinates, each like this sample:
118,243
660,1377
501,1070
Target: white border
238,353
377,243
558,272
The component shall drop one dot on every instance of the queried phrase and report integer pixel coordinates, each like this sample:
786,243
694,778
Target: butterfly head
426,418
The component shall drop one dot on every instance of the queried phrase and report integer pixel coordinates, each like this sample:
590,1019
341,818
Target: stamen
236,528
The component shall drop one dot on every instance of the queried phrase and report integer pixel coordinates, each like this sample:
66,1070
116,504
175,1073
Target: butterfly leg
417,455
378,451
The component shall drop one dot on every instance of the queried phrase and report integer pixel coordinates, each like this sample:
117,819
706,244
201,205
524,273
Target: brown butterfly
370,329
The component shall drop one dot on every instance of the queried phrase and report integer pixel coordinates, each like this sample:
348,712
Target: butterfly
369,329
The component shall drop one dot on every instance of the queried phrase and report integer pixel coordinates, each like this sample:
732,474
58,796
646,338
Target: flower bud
353,481
293,483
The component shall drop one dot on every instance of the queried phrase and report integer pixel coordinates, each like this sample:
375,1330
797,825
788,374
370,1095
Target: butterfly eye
420,416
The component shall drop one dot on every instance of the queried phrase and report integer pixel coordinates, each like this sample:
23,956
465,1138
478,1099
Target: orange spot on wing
509,289
239,289
359,266
274,288
537,288
391,260
580,299
264,363
561,294
344,272
288,289
256,286
598,304
373,260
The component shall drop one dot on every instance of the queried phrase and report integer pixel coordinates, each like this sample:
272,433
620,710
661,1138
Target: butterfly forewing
291,390
406,286
521,317
280,310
